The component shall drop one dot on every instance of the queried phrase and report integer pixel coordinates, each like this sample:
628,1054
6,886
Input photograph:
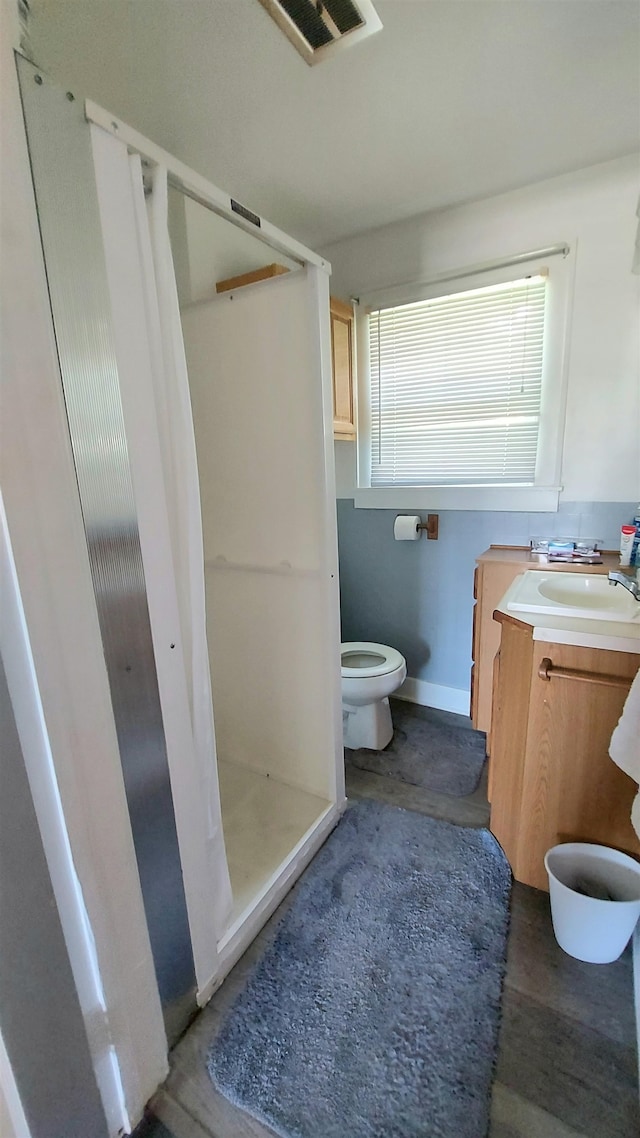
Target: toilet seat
391,659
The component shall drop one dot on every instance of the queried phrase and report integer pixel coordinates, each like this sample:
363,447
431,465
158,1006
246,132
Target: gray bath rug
433,749
374,1011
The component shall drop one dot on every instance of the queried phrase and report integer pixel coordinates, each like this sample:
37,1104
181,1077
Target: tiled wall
417,596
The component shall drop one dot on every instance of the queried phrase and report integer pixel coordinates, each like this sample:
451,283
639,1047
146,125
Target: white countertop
615,636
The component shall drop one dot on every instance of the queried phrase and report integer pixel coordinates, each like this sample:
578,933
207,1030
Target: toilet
370,674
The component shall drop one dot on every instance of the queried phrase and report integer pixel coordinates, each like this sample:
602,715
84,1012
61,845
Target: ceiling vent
318,28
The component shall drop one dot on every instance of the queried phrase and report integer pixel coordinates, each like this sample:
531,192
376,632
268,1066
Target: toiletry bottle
627,536
635,549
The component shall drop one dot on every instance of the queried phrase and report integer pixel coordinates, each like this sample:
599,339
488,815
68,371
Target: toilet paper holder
431,526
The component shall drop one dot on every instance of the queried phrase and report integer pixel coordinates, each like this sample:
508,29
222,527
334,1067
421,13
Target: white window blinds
456,386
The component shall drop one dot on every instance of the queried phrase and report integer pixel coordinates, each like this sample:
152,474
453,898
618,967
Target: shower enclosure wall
256,407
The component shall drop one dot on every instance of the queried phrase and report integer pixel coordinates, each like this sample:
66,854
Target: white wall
593,209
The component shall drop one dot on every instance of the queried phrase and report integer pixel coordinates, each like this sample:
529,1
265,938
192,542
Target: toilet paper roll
405,527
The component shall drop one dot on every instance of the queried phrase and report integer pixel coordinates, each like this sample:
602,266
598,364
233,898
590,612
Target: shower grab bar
546,671
282,569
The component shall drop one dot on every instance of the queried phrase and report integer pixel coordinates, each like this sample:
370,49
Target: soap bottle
635,549
627,537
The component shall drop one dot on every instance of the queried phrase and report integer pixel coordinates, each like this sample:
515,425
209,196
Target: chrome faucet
618,578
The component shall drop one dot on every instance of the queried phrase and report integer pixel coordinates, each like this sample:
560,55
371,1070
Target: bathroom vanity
496,569
559,684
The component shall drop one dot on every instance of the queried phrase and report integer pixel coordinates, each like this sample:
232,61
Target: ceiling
453,100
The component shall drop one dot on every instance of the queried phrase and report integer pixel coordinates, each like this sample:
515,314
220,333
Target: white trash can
589,927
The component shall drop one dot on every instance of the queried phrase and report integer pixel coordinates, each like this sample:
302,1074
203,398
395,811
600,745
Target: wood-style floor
567,1065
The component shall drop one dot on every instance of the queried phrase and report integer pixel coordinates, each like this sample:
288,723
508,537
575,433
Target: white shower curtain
179,461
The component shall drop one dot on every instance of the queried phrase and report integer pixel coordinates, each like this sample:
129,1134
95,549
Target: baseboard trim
435,695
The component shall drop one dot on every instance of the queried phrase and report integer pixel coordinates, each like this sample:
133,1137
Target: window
463,390
456,385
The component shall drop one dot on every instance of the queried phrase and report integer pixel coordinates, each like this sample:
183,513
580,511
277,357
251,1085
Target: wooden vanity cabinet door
492,583
344,426
494,714
509,735
572,791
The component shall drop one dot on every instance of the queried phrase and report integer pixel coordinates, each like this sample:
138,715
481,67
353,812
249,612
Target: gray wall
40,1014
418,596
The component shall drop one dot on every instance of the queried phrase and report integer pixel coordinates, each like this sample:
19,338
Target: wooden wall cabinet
551,776
342,366
496,568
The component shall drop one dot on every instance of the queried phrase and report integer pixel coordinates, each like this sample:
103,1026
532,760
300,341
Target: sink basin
583,595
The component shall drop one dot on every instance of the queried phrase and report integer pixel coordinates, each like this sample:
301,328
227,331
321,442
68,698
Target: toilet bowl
370,674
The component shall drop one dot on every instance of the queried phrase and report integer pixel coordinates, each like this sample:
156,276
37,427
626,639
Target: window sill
520,499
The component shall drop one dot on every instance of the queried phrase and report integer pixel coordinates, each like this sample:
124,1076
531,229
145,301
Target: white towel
624,747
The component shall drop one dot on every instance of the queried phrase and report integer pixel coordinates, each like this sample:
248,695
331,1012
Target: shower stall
201,429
